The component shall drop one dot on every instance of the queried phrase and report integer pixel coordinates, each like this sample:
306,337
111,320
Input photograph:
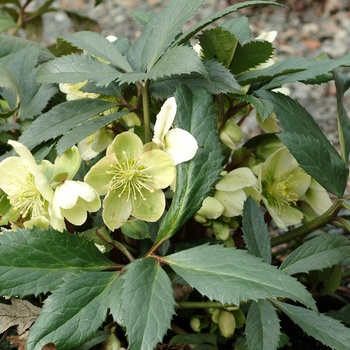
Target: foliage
134,209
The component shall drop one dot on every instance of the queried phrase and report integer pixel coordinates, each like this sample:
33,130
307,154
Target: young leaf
97,45
327,330
76,69
319,253
232,275
342,83
256,235
21,314
195,178
262,326
62,118
220,80
37,260
160,32
218,44
307,143
148,303
72,314
176,61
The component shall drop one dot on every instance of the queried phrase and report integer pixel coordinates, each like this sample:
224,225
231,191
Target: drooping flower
132,176
178,143
282,183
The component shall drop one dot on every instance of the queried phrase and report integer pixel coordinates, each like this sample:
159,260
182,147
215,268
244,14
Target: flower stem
303,230
146,111
199,305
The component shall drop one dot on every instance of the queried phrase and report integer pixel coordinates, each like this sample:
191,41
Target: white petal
164,120
180,145
237,179
26,157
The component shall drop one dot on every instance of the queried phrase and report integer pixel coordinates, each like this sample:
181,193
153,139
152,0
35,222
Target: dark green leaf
73,313
220,80
80,21
342,83
239,27
116,301
218,44
342,315
98,338
308,144
319,253
62,118
160,32
327,330
148,303
36,261
232,275
76,69
205,338
136,229
99,46
262,326
178,60
85,129
256,235
263,108
195,178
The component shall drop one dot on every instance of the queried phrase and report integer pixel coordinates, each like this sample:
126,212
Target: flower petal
13,174
126,145
232,201
211,208
67,164
236,180
26,157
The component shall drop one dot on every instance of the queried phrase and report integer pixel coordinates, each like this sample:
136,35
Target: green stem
199,305
305,229
146,111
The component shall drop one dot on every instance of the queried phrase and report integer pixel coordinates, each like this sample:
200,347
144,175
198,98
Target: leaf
176,61
342,83
21,314
9,81
250,55
231,276
116,301
136,229
188,34
148,303
76,69
220,80
305,140
256,235
263,108
218,44
85,129
62,118
319,253
6,22
195,178
36,261
160,32
262,326
97,45
240,28
327,330
72,314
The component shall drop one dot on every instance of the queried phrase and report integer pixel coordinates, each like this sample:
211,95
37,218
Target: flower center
279,190
27,198
130,177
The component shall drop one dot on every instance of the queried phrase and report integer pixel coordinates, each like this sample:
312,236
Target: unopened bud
195,324
226,323
111,343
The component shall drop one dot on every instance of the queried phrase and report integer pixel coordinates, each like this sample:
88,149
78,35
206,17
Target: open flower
178,143
282,183
19,181
132,177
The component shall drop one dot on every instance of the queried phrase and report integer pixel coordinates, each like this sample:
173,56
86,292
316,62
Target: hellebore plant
139,213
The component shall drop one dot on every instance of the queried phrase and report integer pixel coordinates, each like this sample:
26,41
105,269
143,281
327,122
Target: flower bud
111,343
226,323
195,324
230,134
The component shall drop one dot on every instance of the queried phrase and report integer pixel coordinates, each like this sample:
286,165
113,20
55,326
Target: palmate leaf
160,32
76,69
36,261
176,61
73,313
256,235
220,80
305,140
195,178
148,303
62,118
97,45
262,326
319,253
327,330
232,275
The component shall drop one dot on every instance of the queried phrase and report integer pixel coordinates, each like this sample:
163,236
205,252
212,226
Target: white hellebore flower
178,143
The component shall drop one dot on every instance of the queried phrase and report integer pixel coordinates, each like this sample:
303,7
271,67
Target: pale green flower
230,134
282,183
18,180
73,91
132,177
178,143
